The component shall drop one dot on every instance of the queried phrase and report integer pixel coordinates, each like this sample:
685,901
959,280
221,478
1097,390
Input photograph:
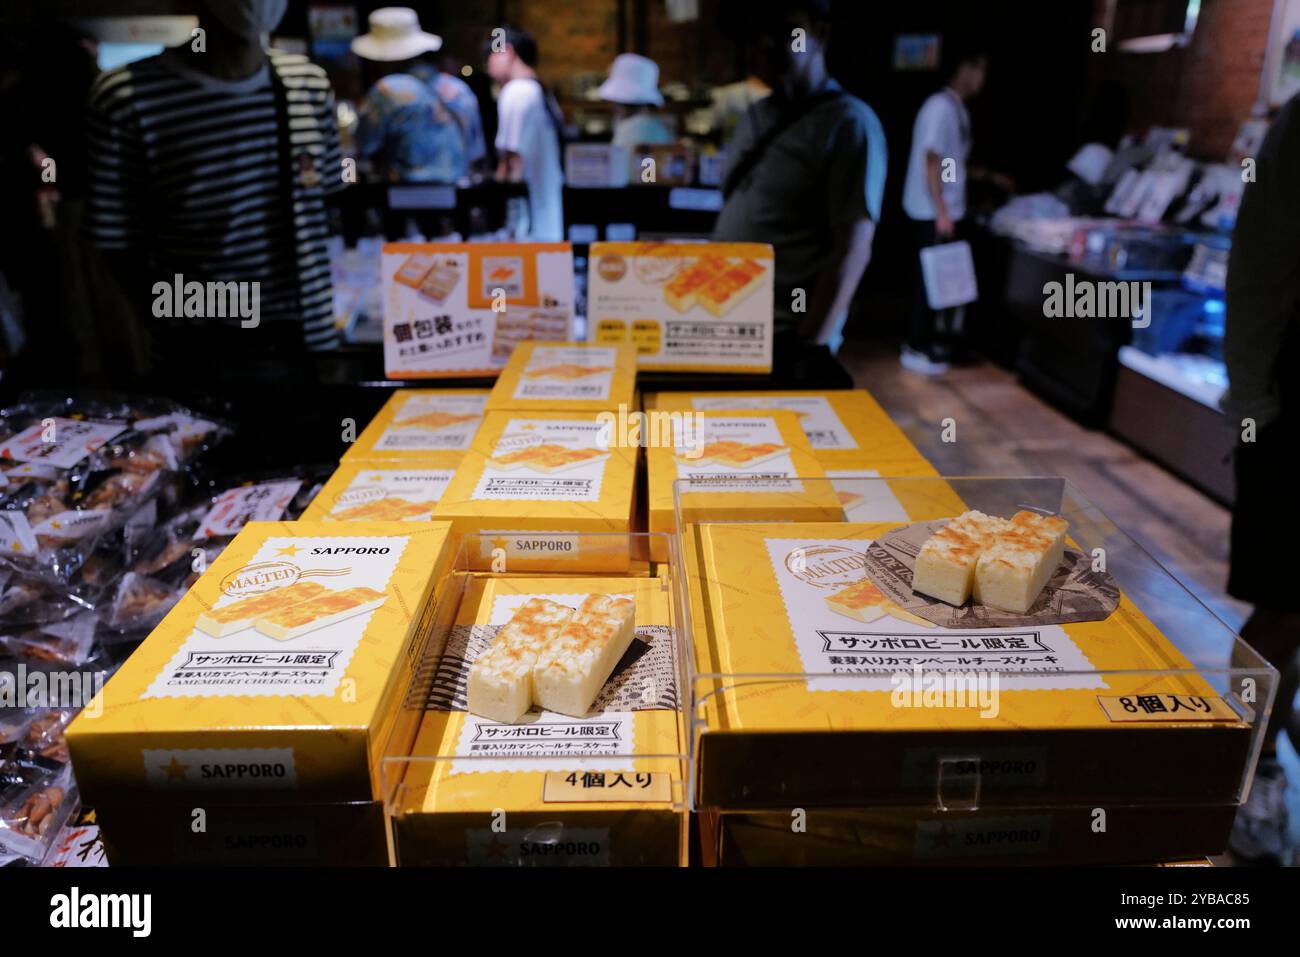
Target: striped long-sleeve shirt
189,171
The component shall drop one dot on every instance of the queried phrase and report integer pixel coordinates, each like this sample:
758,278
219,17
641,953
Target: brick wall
1210,87
582,37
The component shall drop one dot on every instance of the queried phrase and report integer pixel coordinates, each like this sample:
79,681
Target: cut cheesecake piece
318,612
945,567
500,686
861,600
573,668
238,615
1014,567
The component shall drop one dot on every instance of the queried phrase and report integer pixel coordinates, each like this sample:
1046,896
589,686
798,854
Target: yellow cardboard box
846,428
929,836
544,472
740,465
566,376
276,678
608,788
254,835
1068,721
380,491
428,425
688,307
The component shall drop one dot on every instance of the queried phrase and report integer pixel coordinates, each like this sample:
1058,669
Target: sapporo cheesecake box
920,836
567,376
252,835
846,428
687,307
426,425
737,465
1097,711
380,492
604,789
559,473
276,678
460,309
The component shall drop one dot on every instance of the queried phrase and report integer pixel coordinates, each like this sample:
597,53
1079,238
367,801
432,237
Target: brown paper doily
1074,593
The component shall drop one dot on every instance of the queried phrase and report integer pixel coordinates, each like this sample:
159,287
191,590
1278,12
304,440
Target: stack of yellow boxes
400,465
250,725
543,506
317,672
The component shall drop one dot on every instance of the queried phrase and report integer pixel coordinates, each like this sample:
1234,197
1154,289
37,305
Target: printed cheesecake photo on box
566,376
553,705
277,677
1001,643
733,466
846,428
558,473
380,492
425,425
687,307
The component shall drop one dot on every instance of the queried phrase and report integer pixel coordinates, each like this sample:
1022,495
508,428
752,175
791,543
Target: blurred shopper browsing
528,130
633,86
934,197
418,123
1260,348
212,166
805,171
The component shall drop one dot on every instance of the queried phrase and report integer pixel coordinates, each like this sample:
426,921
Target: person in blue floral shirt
420,125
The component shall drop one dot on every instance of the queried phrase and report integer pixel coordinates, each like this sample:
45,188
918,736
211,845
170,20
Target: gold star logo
289,550
175,770
501,543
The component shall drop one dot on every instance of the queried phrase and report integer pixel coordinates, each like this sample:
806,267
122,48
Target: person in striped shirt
210,163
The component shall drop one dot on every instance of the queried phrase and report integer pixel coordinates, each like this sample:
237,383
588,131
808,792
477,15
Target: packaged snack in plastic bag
183,547
75,468
67,642
31,816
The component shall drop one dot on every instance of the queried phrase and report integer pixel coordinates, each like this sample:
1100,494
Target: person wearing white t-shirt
934,198
528,131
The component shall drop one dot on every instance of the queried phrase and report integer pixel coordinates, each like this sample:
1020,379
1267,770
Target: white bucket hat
633,80
395,35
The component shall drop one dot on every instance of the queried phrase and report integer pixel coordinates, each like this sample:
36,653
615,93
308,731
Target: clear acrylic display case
449,806
1091,729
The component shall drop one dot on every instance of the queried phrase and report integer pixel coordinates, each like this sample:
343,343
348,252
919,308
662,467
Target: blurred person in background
46,77
420,125
211,161
633,86
934,196
529,131
805,172
1261,347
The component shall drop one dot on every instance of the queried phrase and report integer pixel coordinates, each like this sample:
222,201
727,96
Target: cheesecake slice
326,609
945,567
500,686
573,668
238,615
861,600
1014,567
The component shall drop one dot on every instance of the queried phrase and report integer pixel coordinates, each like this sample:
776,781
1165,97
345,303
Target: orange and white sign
688,307
459,309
